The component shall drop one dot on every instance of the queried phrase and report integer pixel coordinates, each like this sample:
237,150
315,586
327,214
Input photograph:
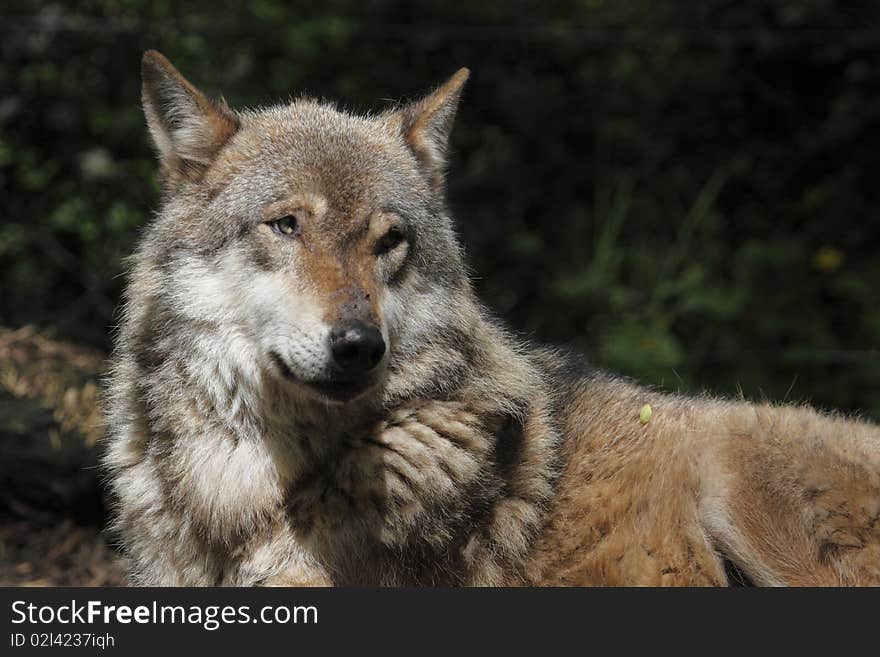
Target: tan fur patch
791,496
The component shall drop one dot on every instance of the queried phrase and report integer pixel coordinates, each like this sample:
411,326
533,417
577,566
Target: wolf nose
357,347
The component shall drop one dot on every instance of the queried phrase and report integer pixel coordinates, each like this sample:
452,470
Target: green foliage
685,192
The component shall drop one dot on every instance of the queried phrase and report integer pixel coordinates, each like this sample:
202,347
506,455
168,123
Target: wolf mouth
334,389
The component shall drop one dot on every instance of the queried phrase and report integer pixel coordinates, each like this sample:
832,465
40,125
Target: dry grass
63,377
64,555
51,513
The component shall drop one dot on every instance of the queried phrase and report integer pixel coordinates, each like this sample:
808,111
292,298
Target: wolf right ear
187,127
426,124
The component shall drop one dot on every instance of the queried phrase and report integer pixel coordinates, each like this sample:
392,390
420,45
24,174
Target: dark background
687,192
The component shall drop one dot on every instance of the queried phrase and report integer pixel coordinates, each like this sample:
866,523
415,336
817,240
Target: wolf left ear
187,127
426,124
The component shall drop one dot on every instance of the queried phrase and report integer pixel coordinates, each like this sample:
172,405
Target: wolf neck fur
250,450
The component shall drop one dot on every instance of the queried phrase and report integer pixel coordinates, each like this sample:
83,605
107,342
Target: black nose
357,347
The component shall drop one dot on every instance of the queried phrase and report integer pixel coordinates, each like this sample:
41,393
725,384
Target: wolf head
319,238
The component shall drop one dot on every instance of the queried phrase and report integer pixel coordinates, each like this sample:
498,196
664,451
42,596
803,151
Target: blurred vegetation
686,192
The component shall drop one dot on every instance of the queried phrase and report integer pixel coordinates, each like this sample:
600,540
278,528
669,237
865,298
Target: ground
52,504
62,555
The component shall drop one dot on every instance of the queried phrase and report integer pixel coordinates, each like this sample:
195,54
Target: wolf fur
466,457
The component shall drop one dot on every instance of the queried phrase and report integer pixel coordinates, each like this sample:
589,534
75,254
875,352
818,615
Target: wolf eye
389,241
286,225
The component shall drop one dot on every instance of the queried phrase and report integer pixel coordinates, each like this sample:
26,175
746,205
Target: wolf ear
426,124
188,128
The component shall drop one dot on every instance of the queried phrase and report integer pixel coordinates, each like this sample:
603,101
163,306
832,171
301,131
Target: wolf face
319,238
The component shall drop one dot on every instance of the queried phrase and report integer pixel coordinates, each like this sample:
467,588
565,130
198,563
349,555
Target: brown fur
798,494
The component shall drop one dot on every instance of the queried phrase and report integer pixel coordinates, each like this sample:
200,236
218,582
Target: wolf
305,391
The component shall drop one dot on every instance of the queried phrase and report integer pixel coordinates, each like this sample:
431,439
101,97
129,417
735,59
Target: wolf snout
357,347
